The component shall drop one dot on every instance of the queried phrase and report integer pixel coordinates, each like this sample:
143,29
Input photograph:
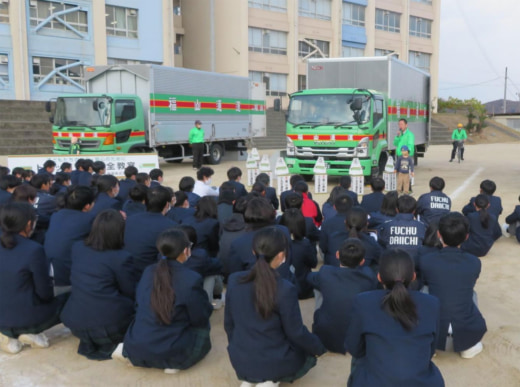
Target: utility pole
505,91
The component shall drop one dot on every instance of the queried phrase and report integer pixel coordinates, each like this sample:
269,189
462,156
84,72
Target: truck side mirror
95,105
357,104
48,106
277,104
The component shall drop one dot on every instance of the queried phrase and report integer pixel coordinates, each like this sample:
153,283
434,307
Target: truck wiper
324,123
305,123
343,124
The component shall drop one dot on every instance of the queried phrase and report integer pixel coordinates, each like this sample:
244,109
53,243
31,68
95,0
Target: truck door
125,124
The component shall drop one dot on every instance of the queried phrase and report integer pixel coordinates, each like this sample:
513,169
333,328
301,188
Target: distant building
44,44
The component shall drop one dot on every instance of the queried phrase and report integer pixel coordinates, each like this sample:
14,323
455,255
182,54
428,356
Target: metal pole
505,91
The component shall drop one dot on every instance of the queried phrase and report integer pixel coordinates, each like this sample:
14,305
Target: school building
44,45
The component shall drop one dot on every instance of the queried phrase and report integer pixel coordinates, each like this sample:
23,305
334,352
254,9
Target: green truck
146,108
351,109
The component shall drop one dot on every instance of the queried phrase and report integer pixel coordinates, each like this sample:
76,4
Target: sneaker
171,371
35,341
472,352
217,304
505,230
10,345
246,384
451,160
118,355
268,384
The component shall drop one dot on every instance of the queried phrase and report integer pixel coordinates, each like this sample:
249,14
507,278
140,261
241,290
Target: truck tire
216,151
174,161
415,158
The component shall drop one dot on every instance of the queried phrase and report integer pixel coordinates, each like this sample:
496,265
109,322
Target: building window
388,21
177,7
310,48
275,84
420,60
383,52
267,41
422,28
269,5
424,1
4,71
316,9
347,51
354,14
121,21
302,82
4,12
41,10
118,61
44,66
177,47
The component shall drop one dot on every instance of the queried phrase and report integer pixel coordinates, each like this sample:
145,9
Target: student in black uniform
338,286
387,212
483,229
234,175
103,279
45,203
304,252
345,182
392,332
431,206
226,198
171,327
186,185
293,180
511,227
295,200
156,176
181,209
127,183
431,244
136,202
142,230
8,183
270,192
69,225
27,303
334,229
48,169
328,209
61,182
451,275
108,189
85,174
488,188
372,202
231,230
205,222
267,339
143,178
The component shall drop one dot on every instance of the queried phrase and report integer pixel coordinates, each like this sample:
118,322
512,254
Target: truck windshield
82,111
328,109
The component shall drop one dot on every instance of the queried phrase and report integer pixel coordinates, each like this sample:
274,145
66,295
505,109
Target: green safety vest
459,135
196,135
408,139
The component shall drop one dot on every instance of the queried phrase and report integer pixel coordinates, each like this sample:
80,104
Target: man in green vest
404,137
459,135
197,144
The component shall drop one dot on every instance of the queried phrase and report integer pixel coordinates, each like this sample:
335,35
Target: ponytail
356,222
482,203
396,272
171,244
267,244
13,220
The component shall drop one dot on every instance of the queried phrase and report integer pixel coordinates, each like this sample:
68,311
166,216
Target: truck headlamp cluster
290,147
362,147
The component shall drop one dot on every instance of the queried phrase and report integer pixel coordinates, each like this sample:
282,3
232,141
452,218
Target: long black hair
294,220
13,219
389,204
108,231
396,271
206,208
482,203
267,243
356,222
171,243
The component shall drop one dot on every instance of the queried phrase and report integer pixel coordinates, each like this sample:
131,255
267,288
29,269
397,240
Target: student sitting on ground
431,206
127,183
203,186
334,228
511,227
392,332
232,229
270,192
372,202
205,222
136,202
143,178
328,209
488,188
226,198
61,182
304,252
267,339
186,185
345,182
451,275
483,229
103,279
171,326
295,200
234,175
107,192
27,303
156,176
7,185
181,209
292,181
338,285
387,212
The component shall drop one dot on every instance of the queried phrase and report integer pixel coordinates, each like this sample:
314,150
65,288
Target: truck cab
338,125
103,123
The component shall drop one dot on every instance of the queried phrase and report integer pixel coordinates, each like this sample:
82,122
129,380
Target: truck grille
327,153
84,144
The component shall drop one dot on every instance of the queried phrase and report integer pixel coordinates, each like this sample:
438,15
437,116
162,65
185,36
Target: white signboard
115,163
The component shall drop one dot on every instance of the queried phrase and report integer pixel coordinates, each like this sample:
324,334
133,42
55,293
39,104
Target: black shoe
462,158
451,160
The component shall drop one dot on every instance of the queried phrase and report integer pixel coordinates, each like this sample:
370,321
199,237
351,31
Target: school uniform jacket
387,354
45,206
66,227
104,202
125,186
141,232
495,206
5,196
84,178
193,199
312,233
266,349
240,190
372,202
451,275
207,233
376,219
431,206
329,230
328,211
270,194
481,239
103,288
231,230
513,218
26,289
403,232
224,212
131,208
178,214
148,343
338,286
202,263
304,260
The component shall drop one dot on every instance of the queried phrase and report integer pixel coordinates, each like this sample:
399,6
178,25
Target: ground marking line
465,184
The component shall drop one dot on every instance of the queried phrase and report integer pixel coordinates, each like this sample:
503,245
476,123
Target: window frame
324,46
419,54
355,8
260,76
38,77
343,48
384,18
269,5
265,36
309,8
4,76
420,27
121,32
4,13
52,8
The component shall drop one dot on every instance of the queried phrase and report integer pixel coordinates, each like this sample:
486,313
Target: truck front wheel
216,151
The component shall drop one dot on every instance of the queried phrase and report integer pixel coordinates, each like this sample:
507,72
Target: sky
479,39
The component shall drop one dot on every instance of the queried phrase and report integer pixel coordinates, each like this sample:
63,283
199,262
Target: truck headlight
362,147
290,147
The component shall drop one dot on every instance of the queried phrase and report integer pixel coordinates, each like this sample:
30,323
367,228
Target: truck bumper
334,167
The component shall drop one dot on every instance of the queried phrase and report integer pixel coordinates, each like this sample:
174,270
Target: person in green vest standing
404,137
459,135
197,144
